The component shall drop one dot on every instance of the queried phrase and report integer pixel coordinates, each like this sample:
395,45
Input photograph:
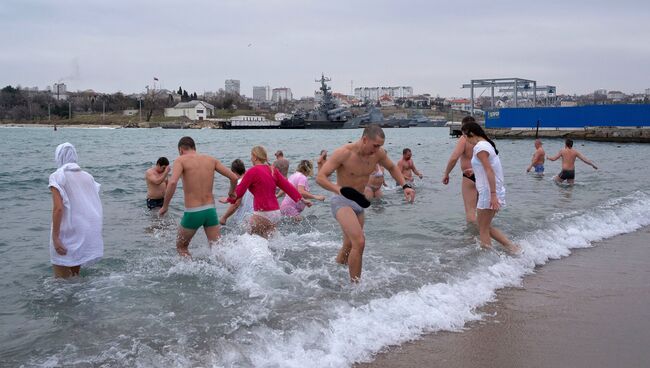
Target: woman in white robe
76,235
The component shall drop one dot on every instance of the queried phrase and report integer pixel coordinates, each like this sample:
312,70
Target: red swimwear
259,181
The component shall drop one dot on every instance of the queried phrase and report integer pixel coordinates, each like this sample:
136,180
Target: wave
356,333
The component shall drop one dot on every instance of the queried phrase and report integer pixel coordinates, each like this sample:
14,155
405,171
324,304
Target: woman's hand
494,202
59,247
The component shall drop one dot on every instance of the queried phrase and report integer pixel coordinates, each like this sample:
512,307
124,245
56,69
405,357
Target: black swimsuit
470,177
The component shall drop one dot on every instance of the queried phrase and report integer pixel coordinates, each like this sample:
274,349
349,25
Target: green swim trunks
205,216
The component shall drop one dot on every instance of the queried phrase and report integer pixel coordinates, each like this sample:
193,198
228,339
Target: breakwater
602,134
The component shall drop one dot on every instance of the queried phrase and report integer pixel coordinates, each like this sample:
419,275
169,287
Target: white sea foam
356,333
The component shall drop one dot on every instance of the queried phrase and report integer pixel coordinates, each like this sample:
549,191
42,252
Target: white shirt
81,224
482,183
245,209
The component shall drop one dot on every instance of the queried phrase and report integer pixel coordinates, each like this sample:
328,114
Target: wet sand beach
590,309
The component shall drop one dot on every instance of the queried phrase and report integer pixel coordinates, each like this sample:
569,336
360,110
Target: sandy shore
591,309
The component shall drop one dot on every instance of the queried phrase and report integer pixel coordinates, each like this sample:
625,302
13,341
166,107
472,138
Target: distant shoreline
58,125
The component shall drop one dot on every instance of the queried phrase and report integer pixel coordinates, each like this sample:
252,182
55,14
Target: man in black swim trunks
353,163
156,178
463,151
569,155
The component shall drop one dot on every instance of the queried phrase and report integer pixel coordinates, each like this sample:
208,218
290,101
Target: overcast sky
433,46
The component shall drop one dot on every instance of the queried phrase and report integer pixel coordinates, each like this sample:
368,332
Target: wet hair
187,143
260,153
569,142
238,167
162,161
406,150
473,129
305,167
373,131
467,119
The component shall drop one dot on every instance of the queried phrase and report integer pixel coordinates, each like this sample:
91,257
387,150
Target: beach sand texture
587,310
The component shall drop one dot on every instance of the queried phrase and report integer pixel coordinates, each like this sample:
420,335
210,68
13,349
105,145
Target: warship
327,115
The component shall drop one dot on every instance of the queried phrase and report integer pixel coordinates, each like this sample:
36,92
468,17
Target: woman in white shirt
76,238
489,184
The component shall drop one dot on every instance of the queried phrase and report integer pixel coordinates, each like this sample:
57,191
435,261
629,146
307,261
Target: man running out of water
197,171
353,163
569,155
407,166
156,178
463,151
538,158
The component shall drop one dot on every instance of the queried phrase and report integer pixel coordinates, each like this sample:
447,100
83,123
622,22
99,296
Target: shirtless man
463,151
538,158
156,178
407,167
569,156
353,163
281,163
197,171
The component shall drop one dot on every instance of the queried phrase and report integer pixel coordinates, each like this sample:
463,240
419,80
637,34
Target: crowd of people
254,194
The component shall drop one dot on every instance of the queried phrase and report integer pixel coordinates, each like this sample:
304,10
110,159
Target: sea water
249,302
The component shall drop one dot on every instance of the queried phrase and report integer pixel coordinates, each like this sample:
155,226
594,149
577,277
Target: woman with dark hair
489,184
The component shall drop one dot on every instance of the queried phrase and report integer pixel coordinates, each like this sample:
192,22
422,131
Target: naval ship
327,115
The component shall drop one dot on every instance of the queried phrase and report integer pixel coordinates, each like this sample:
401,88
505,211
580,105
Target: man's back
198,179
568,158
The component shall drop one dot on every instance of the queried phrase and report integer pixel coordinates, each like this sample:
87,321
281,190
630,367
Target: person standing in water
291,208
463,151
538,158
242,210
77,215
489,184
376,181
281,163
197,171
353,163
262,180
156,178
407,166
569,155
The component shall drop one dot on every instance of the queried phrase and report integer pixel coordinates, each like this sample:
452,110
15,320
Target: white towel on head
81,224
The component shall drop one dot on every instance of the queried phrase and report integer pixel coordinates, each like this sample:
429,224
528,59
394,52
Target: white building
647,92
261,93
283,94
600,92
615,96
59,91
232,86
193,110
374,93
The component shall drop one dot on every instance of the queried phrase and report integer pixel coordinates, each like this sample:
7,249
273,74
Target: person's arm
155,178
230,211
396,173
177,171
221,169
286,186
553,158
246,181
57,216
455,155
305,194
483,156
332,164
416,170
533,160
586,160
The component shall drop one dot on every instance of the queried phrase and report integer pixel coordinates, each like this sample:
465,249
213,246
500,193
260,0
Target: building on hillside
461,104
232,86
261,93
193,110
281,94
615,96
59,91
600,92
374,93
386,101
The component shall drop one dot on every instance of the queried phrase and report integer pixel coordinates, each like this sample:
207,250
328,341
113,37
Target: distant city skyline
578,46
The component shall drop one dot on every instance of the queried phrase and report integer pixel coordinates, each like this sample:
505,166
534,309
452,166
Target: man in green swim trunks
197,171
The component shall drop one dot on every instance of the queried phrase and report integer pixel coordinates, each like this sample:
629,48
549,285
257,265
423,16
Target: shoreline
598,134
585,310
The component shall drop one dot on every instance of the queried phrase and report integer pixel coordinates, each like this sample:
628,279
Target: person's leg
261,226
484,218
75,270
351,224
213,233
62,272
183,241
470,196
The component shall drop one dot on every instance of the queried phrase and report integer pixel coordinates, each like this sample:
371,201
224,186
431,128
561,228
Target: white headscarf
65,154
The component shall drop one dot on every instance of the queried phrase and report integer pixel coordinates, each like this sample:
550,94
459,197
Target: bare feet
513,249
342,257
